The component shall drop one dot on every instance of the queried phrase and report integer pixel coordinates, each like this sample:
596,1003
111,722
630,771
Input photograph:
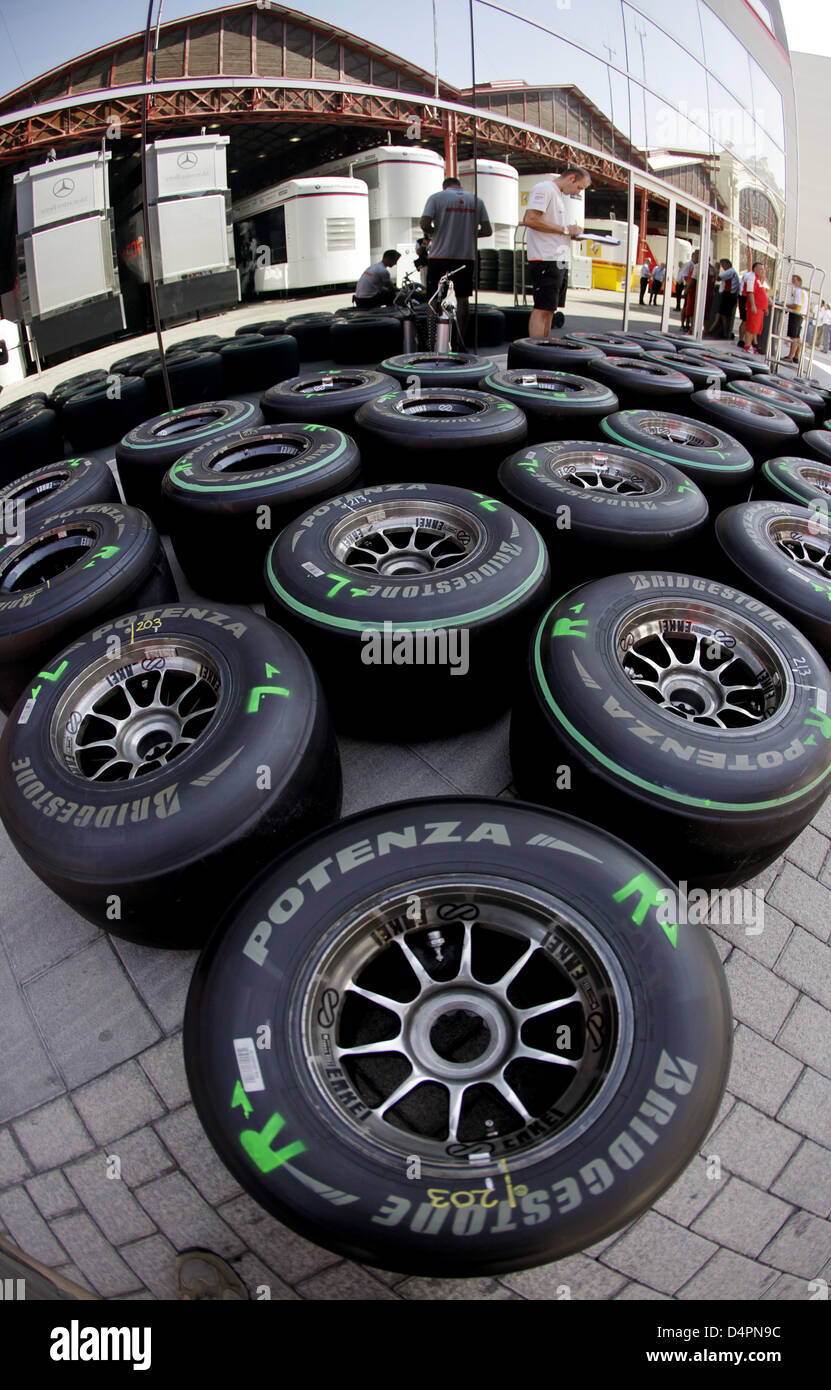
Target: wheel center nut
459,1034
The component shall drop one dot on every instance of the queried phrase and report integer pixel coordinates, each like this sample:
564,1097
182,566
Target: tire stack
505,272
488,266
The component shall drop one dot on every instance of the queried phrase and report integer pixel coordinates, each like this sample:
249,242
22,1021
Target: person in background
548,243
422,258
757,304
645,273
825,327
689,301
728,287
453,220
375,286
680,275
657,285
796,304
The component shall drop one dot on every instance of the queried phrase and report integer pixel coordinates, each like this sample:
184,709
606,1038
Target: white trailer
305,233
497,186
399,179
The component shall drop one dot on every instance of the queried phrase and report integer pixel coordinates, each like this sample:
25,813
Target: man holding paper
548,243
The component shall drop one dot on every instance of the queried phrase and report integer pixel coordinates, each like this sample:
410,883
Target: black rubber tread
639,383
557,405
443,434
326,397
102,414
556,354
254,364
762,428
29,438
364,341
438,369
75,482
193,376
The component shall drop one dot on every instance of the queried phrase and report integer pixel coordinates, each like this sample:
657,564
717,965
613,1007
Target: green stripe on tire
202,432
673,458
652,787
768,471
356,625
241,487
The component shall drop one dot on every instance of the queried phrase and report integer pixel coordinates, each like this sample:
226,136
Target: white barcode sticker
26,711
528,381
249,1066
311,569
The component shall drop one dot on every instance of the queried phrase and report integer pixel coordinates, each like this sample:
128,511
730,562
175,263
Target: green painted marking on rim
200,431
180,469
356,625
652,787
677,459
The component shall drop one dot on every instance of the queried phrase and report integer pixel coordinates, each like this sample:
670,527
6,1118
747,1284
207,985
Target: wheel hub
459,1034
392,540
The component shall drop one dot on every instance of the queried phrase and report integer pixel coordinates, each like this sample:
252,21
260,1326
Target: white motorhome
399,180
305,233
497,186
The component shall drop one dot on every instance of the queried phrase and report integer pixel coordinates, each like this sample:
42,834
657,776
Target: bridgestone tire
414,602
25,406
259,363
206,341
193,377
817,444
557,405
652,342
610,344
733,369
42,493
445,434
82,566
325,398
92,418
762,428
145,454
800,411
29,439
713,804
639,383
485,327
136,364
558,355
781,552
487,881
603,510
722,467
516,318
156,857
266,327
702,374
438,369
792,479
354,341
311,336
798,391
226,502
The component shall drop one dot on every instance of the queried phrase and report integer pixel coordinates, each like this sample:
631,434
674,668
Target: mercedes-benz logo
187,160
63,188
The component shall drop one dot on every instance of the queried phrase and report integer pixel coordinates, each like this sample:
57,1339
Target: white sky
808,25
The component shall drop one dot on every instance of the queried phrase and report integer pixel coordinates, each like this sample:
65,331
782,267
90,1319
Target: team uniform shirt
545,197
456,221
658,275
729,280
797,300
645,270
374,279
747,283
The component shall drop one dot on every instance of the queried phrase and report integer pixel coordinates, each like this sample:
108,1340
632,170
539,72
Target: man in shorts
453,220
549,240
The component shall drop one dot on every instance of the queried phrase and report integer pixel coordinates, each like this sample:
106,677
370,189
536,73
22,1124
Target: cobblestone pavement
90,1041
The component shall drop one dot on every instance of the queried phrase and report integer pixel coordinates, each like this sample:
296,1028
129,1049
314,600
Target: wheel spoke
503,984
535,1054
412,1081
509,1094
457,1094
382,1000
363,1049
536,1010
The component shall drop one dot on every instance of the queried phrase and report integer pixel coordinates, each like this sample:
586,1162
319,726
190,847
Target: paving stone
183,1135
26,900
89,1013
28,1075
759,999
374,774
51,1194
809,851
690,1193
13,1165
255,1275
803,1246
807,1035
477,761
807,1179
752,1146
743,1218
806,963
290,1255
726,1105
573,1278
788,1290
165,1066
94,1256
28,1229
822,819
142,1157
154,1262
808,1107
766,877
108,1200
761,1072
728,1276
456,1290
804,899
346,1281
161,978
184,1216
659,1253
53,1135
639,1293
767,945
117,1103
